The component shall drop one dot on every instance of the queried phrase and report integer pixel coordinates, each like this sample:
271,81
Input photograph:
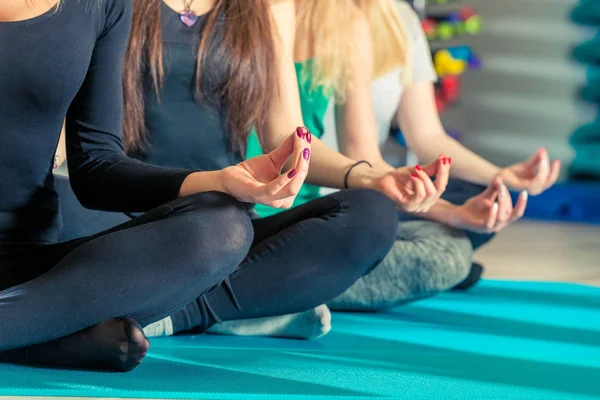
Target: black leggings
156,264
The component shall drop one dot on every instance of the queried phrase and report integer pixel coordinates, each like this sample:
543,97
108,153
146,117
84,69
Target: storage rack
447,23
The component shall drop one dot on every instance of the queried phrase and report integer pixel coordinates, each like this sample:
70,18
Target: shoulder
361,29
283,14
360,22
284,9
93,16
113,11
409,17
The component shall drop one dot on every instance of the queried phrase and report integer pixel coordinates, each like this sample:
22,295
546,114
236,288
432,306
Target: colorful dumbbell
465,53
430,28
475,62
473,25
458,23
466,12
445,30
440,102
442,2
450,86
461,53
445,64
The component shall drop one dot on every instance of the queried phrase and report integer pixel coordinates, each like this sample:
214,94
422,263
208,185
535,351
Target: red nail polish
414,175
444,160
308,137
292,173
300,132
306,154
418,167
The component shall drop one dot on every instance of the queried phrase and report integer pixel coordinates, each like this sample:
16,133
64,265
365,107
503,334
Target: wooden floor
544,252
537,251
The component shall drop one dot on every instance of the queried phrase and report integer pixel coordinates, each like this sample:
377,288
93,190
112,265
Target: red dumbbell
430,28
451,88
440,102
466,12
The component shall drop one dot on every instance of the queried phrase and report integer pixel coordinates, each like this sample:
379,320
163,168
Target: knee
442,255
218,231
371,222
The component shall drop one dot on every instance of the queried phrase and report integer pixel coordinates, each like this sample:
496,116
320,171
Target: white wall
524,96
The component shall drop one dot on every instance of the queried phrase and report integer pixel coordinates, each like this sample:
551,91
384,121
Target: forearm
328,168
466,165
115,182
442,212
373,155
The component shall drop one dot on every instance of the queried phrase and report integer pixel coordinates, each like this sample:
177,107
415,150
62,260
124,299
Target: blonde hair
391,42
327,25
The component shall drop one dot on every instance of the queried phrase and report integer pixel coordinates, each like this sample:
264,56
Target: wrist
507,177
445,213
198,182
363,176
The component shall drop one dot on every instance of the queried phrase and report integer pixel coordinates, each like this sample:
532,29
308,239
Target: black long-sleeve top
68,62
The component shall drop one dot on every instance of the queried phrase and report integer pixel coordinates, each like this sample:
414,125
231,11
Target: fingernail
300,132
418,167
525,194
306,154
292,173
308,137
414,175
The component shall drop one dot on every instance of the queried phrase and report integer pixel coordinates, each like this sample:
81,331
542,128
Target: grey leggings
426,259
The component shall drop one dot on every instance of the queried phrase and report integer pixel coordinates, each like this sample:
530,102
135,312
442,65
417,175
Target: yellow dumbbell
445,64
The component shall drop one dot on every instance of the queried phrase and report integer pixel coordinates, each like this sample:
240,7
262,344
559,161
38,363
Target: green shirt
314,104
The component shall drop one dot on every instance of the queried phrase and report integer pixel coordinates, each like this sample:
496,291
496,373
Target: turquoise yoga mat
502,340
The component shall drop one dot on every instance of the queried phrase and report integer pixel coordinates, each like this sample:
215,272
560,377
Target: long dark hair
243,51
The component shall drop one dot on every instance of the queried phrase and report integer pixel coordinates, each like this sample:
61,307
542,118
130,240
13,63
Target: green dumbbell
445,30
473,25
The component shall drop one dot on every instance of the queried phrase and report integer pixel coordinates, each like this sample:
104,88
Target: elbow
90,180
270,142
427,145
358,152
81,190
83,182
268,146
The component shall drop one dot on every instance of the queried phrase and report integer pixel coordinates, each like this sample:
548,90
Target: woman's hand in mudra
413,189
260,179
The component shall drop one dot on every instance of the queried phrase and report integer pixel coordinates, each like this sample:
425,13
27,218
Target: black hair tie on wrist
350,170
